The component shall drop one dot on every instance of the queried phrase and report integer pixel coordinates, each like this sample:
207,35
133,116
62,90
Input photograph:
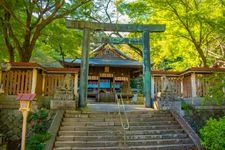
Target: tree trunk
25,55
5,30
201,54
11,55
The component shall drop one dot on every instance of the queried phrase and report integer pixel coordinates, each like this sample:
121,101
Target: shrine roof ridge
115,27
110,62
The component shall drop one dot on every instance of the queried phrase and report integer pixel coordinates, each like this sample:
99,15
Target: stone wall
10,124
11,119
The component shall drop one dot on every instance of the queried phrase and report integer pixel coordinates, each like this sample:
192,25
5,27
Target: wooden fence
17,81
31,78
187,84
35,79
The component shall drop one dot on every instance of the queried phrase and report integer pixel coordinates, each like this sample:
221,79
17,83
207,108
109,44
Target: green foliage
57,43
23,22
212,134
38,135
197,118
37,141
215,89
191,32
186,106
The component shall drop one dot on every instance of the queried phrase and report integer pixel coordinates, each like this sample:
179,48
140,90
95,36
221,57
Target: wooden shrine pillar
146,70
84,68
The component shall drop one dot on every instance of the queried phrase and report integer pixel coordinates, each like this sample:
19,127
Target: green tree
22,22
188,32
59,42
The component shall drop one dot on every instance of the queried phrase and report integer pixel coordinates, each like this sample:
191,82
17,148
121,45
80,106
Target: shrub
186,106
212,134
39,125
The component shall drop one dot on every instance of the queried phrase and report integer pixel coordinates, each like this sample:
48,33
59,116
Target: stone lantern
25,107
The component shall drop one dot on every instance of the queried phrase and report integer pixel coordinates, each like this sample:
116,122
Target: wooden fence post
75,84
182,86
34,81
43,85
193,85
0,77
152,88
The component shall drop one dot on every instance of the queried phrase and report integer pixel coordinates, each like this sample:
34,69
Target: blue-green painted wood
114,27
146,70
84,69
118,40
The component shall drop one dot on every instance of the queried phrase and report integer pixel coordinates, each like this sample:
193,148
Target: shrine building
110,72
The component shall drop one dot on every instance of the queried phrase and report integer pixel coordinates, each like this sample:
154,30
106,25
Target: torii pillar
92,26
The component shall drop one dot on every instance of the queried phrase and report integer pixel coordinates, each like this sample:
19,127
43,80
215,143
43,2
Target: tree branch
106,11
4,4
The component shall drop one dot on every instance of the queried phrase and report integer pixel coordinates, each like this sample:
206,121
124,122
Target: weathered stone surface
63,99
11,123
168,100
58,104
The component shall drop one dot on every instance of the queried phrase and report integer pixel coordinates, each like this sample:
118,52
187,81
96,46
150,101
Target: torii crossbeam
92,26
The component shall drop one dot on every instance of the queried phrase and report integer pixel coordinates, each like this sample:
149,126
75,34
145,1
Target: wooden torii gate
87,27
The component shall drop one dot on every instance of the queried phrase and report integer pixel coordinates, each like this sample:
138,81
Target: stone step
152,130
131,112
117,119
155,112
114,138
102,128
116,132
119,143
147,147
115,114
118,123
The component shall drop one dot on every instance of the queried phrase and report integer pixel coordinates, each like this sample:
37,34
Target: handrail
119,100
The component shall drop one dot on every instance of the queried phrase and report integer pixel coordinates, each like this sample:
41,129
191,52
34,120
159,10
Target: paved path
109,107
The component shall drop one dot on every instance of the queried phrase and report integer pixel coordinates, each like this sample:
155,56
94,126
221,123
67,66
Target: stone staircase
150,130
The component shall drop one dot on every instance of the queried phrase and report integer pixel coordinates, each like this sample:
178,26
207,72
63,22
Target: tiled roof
202,70
28,65
24,65
167,73
108,62
62,70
